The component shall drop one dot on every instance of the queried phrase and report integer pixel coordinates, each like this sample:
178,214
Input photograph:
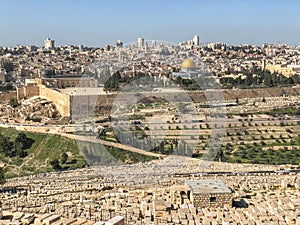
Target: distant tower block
49,44
196,40
140,43
119,44
153,44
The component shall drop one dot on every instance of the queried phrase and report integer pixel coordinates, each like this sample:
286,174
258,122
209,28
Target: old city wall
83,106
230,95
200,96
27,92
86,105
6,96
61,101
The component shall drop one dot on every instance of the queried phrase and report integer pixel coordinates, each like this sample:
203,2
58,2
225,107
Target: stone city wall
101,104
6,96
199,96
27,92
230,95
61,101
84,106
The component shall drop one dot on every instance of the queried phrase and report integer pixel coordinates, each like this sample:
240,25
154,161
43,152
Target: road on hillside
111,144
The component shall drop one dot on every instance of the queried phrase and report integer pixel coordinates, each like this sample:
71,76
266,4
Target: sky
97,22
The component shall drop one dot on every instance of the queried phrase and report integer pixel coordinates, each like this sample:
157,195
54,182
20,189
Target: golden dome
188,63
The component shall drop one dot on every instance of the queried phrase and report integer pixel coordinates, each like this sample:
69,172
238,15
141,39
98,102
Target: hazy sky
97,22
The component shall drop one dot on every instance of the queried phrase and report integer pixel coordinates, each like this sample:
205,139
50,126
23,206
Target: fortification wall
84,106
89,105
200,96
21,93
61,101
260,93
27,92
230,95
104,102
6,96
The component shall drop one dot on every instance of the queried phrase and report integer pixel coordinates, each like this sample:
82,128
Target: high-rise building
153,44
140,43
196,40
119,44
49,44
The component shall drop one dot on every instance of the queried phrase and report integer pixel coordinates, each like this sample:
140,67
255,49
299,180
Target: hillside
45,149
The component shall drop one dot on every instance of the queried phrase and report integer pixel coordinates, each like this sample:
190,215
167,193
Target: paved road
112,144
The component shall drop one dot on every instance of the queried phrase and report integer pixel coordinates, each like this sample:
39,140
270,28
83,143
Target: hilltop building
286,70
49,44
188,70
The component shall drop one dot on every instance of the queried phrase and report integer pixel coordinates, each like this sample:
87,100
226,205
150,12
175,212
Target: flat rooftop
82,91
207,186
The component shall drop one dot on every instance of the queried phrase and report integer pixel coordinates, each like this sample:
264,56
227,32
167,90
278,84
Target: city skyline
149,112
95,23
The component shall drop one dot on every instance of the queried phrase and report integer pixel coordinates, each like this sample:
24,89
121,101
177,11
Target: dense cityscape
226,62
149,131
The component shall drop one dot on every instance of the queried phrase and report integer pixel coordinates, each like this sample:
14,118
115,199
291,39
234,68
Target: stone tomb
208,193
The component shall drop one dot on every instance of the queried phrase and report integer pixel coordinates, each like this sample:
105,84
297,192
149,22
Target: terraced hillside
268,137
263,139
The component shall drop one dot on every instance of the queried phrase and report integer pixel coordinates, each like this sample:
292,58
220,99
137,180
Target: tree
64,158
55,164
21,137
2,179
18,149
6,147
13,102
20,144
